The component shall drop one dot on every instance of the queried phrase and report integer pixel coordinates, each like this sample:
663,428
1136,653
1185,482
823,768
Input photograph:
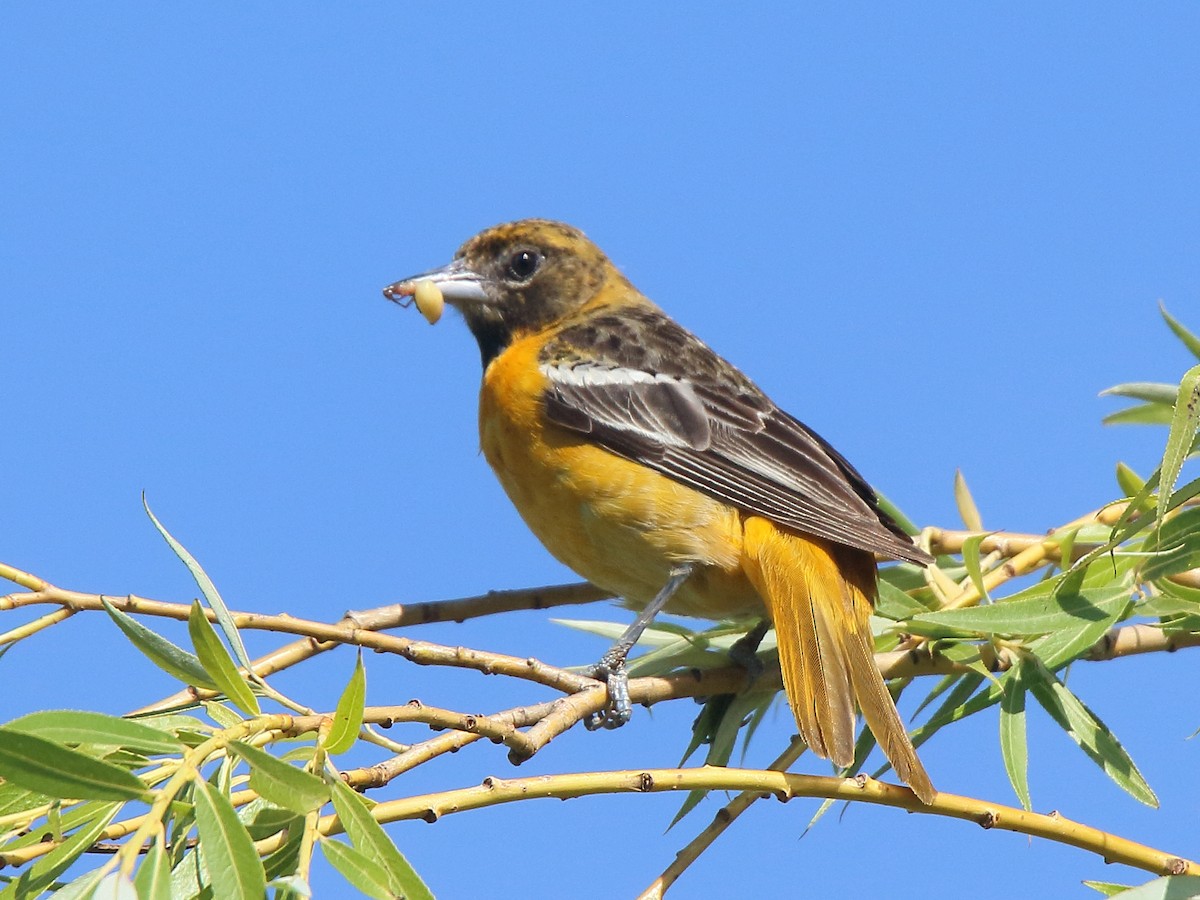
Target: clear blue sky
933,233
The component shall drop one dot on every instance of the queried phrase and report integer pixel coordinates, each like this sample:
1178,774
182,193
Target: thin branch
450,742
785,786
421,652
39,624
396,615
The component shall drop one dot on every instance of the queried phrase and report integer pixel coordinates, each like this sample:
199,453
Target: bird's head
516,279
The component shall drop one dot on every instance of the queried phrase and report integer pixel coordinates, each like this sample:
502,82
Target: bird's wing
638,384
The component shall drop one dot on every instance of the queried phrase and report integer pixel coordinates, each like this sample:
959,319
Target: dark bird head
515,279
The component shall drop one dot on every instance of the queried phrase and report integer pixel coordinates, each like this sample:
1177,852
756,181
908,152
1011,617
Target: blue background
934,233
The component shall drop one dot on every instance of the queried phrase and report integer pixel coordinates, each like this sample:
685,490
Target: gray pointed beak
457,283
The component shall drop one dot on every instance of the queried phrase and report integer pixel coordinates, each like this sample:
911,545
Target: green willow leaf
207,588
263,819
1179,547
1185,422
73,726
727,714
1129,481
88,886
960,702
173,660
967,510
14,799
218,663
1014,748
1058,648
348,715
971,559
286,859
43,873
40,765
1037,610
369,838
363,873
1168,887
895,604
280,783
1190,340
153,879
1107,888
897,515
234,867
1142,414
222,714
1146,391
1086,730
61,819
944,684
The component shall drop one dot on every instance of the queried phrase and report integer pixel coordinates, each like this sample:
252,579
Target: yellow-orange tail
819,598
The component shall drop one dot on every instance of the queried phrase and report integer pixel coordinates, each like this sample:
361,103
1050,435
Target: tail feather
819,598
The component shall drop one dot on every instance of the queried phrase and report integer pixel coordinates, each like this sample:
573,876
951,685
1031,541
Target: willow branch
420,652
397,615
785,786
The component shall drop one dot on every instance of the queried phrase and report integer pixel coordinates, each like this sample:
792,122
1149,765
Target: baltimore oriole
657,470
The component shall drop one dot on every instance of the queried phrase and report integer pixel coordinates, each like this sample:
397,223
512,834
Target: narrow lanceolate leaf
233,864
153,880
280,783
897,515
1129,481
14,799
1141,414
218,663
1178,556
1185,422
82,888
369,838
173,660
1146,391
1036,610
1107,888
893,603
74,726
1057,648
207,588
974,564
114,886
1086,730
222,714
348,717
43,873
960,702
40,765
967,510
1190,340
1013,746
363,873
1168,887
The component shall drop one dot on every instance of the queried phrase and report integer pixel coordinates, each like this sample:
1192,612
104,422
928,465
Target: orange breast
618,524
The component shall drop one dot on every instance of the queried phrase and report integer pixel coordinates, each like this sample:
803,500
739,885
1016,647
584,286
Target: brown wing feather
641,386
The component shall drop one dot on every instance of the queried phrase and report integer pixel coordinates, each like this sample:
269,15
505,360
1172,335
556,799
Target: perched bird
657,470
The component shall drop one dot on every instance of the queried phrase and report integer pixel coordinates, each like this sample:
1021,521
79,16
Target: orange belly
617,523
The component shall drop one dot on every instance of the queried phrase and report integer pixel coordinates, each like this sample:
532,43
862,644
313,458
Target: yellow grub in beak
429,300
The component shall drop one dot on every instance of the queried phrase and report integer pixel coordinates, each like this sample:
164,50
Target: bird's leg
611,667
744,652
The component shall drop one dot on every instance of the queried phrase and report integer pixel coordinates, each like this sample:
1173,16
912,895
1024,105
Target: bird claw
744,652
619,709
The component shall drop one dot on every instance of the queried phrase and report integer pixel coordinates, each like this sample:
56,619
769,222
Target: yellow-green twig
785,786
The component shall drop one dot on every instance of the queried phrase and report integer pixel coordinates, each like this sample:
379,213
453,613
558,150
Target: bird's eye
523,263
